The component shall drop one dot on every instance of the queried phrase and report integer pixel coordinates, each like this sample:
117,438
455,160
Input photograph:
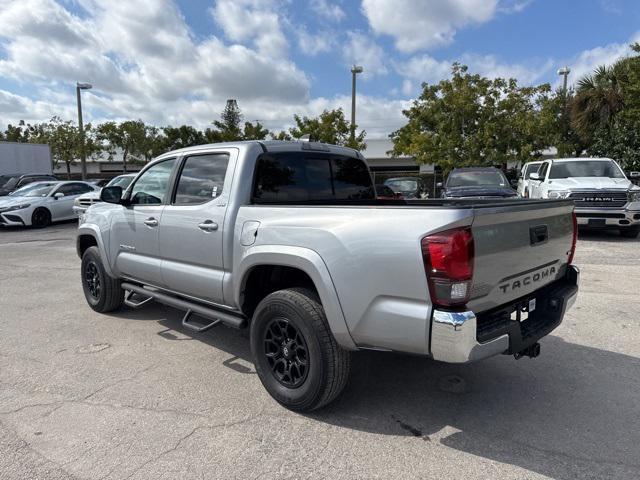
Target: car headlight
634,195
15,207
559,194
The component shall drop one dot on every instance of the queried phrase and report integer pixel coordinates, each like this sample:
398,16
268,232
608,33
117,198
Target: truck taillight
574,240
448,262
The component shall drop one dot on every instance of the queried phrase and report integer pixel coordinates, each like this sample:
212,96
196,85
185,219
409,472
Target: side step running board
216,316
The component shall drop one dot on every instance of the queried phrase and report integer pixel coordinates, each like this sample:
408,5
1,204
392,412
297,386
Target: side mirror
111,194
58,195
534,176
439,184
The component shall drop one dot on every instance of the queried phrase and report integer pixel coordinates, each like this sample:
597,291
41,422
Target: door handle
208,226
151,222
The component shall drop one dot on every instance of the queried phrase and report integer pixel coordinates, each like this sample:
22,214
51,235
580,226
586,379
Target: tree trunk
124,160
68,170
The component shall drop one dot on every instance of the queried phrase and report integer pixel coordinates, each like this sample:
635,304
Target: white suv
603,195
525,176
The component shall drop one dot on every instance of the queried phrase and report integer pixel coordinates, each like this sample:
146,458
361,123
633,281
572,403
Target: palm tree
598,98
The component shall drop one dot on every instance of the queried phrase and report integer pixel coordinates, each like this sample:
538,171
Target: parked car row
38,204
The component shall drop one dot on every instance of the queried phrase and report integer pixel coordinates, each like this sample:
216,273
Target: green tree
129,136
180,137
473,120
229,126
606,110
329,127
15,133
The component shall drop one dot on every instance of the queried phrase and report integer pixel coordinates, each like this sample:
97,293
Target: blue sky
172,62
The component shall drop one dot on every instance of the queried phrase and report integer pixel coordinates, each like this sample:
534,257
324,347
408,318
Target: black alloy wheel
41,218
92,279
287,353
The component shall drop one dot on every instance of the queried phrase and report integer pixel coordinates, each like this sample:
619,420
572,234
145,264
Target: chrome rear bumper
454,334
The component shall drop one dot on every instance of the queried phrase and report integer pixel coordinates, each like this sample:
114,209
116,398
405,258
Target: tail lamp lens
448,261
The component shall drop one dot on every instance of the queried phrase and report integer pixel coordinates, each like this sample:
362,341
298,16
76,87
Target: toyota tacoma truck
603,196
286,239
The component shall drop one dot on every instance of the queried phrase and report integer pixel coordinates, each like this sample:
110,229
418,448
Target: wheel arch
40,207
89,236
296,263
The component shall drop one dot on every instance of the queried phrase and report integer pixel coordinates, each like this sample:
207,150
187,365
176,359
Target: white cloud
252,20
360,49
586,61
425,24
142,61
425,68
327,10
312,45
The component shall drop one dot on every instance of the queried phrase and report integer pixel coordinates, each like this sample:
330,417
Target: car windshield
586,168
34,190
476,179
404,185
123,182
7,181
529,169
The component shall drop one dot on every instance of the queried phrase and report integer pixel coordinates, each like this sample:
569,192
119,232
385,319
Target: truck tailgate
518,249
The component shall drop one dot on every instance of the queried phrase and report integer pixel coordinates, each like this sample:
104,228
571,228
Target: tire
40,218
630,232
108,295
290,333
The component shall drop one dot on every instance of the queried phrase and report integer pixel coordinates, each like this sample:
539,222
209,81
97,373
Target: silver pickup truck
288,239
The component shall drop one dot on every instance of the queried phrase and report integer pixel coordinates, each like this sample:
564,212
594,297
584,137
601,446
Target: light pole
83,158
564,72
356,69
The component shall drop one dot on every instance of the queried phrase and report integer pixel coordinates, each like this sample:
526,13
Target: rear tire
630,232
295,354
102,292
40,218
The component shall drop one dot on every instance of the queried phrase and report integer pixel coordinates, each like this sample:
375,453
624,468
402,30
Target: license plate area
523,309
597,222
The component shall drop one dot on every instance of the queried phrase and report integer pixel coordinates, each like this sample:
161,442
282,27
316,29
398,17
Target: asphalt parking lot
133,395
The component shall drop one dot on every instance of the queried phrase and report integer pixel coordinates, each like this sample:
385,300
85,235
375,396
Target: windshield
529,169
586,168
405,185
8,182
34,190
123,182
476,179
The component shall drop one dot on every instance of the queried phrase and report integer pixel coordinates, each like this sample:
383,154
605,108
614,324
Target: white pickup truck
603,195
289,240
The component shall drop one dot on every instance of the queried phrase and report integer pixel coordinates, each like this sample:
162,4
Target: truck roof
582,159
271,146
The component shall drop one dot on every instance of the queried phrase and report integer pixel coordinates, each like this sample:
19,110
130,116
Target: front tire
630,232
102,292
295,354
40,218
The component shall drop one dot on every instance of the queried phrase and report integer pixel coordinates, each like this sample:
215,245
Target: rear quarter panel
374,259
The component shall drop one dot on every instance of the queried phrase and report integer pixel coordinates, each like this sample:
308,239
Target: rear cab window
293,177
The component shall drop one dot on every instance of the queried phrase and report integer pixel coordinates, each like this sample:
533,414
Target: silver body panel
365,261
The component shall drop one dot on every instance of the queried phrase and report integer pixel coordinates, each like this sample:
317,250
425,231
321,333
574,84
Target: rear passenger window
201,179
299,177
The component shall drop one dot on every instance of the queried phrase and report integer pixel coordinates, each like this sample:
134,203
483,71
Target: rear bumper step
191,307
461,337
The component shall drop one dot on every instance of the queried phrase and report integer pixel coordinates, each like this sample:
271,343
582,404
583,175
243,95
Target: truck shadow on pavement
570,413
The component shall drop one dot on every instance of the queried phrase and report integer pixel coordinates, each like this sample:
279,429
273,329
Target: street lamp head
564,71
84,86
357,69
